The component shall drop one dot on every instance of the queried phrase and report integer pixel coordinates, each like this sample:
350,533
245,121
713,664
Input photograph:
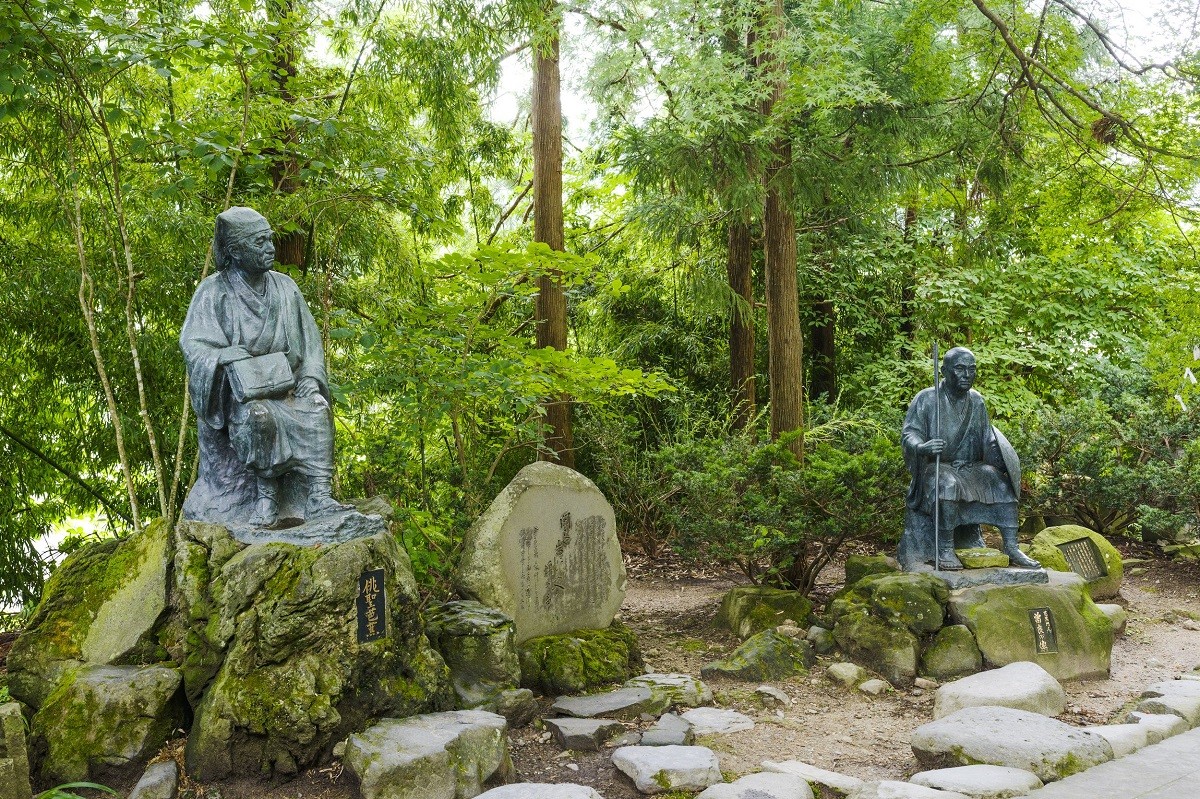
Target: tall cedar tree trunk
551,306
741,326
908,292
785,342
285,170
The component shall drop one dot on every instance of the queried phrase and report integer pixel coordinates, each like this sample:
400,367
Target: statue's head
243,240
958,367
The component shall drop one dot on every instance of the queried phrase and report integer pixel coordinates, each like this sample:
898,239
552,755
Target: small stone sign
1083,556
546,553
372,606
1045,639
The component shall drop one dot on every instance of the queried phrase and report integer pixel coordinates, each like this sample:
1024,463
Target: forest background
716,301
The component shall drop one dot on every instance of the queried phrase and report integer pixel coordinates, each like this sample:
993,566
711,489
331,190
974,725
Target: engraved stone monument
546,553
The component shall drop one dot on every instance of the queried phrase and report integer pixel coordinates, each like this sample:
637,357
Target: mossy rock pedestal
1089,548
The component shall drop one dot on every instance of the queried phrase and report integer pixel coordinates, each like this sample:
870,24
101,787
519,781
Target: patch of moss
580,661
750,609
859,566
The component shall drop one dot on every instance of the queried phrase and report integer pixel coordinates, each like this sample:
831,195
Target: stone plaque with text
372,606
1083,556
1045,639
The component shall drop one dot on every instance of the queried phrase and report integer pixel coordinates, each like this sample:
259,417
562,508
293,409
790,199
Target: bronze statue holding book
257,382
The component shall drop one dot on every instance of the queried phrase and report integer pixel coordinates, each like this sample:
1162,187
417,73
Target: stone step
659,769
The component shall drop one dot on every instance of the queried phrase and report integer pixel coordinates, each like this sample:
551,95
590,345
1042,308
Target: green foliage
68,790
752,504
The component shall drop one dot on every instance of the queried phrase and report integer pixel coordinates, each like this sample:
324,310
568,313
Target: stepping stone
658,769
764,785
846,674
433,756
711,720
891,789
1161,725
1178,697
539,790
771,694
1125,739
838,783
623,703
875,687
980,782
670,730
1002,736
1023,686
680,689
583,735
161,781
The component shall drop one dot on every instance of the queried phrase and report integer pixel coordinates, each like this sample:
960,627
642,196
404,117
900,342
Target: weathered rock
714,721
915,601
545,552
1124,739
670,730
999,617
980,782
101,606
537,790
1047,546
969,578
623,703
847,675
434,756
821,639
479,647
838,784
1001,736
951,654
1159,726
769,695
1177,697
874,687
764,656
105,722
982,558
581,661
1117,615
14,757
859,566
518,706
750,609
892,789
882,648
161,781
374,506
583,735
1024,686
658,769
764,785
333,528
683,690
270,649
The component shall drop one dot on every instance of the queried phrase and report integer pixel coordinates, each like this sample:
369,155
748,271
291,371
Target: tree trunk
551,306
741,325
785,342
824,351
290,246
908,293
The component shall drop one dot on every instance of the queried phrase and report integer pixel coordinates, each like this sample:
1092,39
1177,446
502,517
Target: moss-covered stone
915,601
750,609
852,598
765,656
579,662
951,654
999,618
880,647
1045,549
478,645
859,566
104,722
982,558
294,678
102,605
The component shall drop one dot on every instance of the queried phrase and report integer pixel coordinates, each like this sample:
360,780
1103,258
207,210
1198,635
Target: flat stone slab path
1167,770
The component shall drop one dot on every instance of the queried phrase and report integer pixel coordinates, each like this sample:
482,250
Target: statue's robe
973,484
270,437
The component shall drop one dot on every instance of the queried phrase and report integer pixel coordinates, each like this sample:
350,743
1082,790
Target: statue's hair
233,225
953,354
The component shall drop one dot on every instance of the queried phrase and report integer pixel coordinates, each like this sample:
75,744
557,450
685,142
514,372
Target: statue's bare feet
266,513
1019,560
323,505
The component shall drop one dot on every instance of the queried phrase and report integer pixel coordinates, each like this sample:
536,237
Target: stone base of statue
273,651
917,544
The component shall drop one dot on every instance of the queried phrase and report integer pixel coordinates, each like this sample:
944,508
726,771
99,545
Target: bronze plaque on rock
1084,558
1045,639
372,606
